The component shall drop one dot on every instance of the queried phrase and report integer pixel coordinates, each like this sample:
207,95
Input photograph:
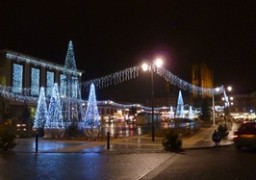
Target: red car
245,136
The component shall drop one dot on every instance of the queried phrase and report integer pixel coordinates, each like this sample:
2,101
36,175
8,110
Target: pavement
133,144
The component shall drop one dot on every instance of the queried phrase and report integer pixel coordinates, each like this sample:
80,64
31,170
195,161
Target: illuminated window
49,82
74,87
63,85
35,81
17,78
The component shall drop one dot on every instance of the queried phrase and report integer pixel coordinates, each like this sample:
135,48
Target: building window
35,81
74,87
63,85
49,82
17,78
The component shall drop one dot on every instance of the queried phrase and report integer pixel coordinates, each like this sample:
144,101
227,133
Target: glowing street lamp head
158,62
145,67
217,89
229,88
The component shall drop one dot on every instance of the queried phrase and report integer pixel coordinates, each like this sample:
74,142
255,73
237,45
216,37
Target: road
216,163
85,166
210,163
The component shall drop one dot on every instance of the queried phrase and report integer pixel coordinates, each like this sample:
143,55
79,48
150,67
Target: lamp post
152,67
227,103
213,105
213,110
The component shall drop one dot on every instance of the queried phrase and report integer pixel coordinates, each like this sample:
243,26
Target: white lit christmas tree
92,118
180,107
69,88
70,62
41,111
171,112
55,117
190,113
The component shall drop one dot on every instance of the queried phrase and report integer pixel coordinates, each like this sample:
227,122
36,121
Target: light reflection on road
122,129
125,130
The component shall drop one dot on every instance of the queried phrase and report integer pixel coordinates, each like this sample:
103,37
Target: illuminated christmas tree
180,107
55,118
69,88
171,112
41,111
92,118
190,113
70,62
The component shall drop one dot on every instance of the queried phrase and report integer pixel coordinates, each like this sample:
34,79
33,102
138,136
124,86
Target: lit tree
70,87
41,111
92,118
70,62
55,118
191,113
180,107
171,112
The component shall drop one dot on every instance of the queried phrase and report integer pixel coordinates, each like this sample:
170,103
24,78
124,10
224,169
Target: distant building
202,76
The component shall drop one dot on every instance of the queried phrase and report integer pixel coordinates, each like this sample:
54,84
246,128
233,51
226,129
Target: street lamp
229,88
227,103
213,105
152,67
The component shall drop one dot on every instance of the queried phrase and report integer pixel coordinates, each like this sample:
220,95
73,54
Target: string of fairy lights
112,79
24,97
184,85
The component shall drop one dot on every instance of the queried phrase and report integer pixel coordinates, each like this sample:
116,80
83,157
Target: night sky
109,36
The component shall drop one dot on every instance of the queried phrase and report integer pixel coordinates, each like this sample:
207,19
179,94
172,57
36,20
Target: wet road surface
63,166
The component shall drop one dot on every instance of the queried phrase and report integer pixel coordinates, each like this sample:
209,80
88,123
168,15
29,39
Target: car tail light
248,136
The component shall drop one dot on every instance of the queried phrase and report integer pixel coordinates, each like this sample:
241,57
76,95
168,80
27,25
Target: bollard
108,140
36,142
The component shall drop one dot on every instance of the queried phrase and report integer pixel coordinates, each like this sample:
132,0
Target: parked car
245,136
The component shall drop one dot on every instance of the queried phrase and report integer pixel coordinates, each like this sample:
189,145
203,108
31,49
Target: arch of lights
113,79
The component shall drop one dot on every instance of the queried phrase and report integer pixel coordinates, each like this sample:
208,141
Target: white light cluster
49,82
55,116
7,92
131,73
113,79
70,62
176,81
63,85
180,107
92,118
35,81
17,78
38,62
128,106
41,116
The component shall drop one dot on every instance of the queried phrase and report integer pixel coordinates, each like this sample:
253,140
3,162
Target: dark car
245,136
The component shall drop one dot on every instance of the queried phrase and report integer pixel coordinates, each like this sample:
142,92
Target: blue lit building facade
24,75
